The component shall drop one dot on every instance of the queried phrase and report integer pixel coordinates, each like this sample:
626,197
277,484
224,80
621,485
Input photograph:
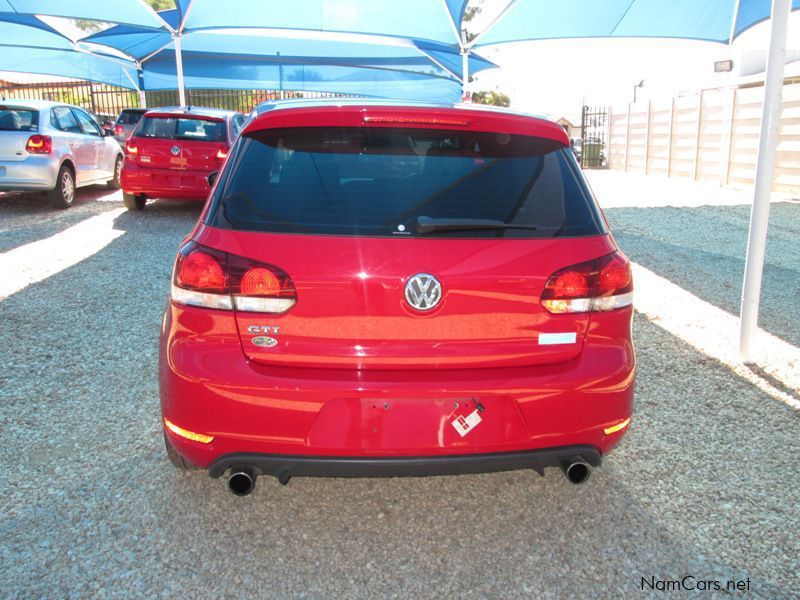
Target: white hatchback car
56,148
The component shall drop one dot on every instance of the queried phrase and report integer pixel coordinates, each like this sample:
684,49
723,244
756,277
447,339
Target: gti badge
423,291
175,150
267,329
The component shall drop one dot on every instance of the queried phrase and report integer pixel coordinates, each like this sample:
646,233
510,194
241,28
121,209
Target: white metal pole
768,142
142,99
176,38
464,72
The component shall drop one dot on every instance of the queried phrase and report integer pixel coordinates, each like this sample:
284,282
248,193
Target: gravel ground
705,483
695,235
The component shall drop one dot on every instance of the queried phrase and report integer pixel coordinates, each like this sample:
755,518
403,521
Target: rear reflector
601,284
618,427
222,154
189,435
213,279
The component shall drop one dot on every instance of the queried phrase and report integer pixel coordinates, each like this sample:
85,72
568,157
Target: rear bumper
33,173
293,416
285,467
164,183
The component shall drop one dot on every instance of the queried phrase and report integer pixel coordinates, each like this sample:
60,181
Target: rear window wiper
430,225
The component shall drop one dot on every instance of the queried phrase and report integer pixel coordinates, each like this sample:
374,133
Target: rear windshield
129,117
389,182
18,119
182,129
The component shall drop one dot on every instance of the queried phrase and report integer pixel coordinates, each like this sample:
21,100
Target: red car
387,290
173,150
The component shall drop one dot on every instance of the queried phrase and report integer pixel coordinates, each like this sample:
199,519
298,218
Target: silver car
126,122
56,148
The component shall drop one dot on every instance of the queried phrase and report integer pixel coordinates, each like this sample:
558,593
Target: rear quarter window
129,117
18,119
380,182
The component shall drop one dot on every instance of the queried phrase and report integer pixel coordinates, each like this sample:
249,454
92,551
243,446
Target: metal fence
107,99
594,136
95,97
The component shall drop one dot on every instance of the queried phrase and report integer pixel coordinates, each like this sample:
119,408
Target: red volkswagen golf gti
388,290
172,151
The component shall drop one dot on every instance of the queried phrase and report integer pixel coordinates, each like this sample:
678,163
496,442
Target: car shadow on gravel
161,215
703,251
27,217
37,202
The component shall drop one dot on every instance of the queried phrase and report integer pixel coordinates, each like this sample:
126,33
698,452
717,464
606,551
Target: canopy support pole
176,38
767,144
464,68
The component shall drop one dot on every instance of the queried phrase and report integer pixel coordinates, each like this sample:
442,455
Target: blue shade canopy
707,20
752,12
29,46
241,72
431,20
353,50
133,12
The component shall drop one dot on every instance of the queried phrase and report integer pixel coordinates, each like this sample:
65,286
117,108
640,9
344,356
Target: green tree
494,98
91,26
469,14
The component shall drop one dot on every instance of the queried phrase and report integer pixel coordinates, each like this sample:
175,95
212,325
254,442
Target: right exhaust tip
242,482
576,471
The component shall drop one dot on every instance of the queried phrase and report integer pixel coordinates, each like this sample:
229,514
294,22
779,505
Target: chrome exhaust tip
241,482
576,470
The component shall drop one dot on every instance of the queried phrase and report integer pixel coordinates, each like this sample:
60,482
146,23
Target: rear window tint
129,117
182,129
18,119
379,181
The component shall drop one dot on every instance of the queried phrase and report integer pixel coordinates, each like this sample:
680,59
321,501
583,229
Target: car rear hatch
180,142
358,225
17,125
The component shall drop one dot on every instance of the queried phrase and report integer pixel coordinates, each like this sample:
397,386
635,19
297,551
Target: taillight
214,279
119,130
222,154
595,285
39,144
131,149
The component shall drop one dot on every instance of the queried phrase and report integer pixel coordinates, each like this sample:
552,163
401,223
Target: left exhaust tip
242,482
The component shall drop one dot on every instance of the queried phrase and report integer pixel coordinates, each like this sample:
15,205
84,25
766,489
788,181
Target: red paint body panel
351,310
357,373
168,183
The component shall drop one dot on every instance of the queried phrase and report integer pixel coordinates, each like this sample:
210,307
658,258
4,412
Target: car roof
33,104
200,111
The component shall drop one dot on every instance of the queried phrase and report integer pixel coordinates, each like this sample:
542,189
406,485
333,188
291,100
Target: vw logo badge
175,150
423,291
